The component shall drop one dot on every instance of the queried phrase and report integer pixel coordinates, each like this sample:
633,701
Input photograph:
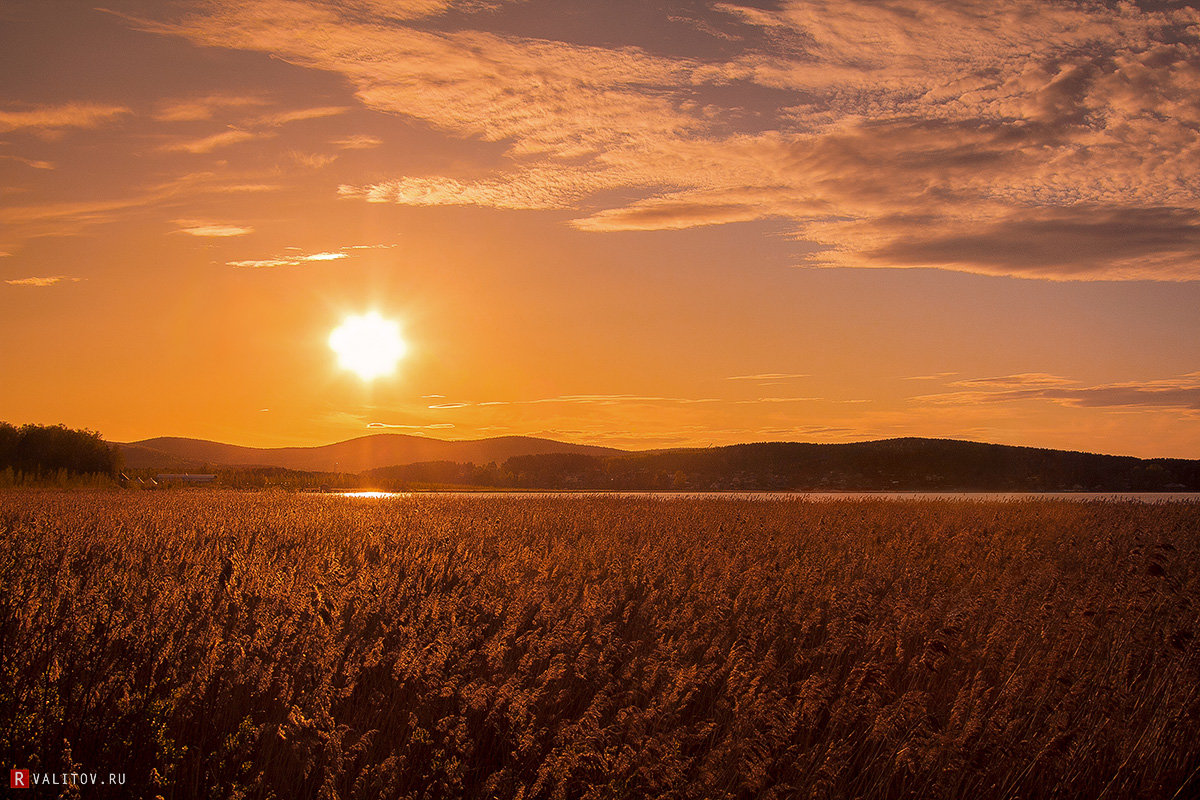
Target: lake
1144,497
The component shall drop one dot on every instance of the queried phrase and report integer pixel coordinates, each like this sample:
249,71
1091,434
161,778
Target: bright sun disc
368,345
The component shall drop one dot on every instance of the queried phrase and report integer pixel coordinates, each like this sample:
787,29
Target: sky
632,223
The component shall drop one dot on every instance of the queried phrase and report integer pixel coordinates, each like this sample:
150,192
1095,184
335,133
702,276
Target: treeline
913,464
283,478
891,465
53,452
442,474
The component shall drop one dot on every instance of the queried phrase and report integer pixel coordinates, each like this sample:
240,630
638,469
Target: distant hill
911,464
892,464
355,455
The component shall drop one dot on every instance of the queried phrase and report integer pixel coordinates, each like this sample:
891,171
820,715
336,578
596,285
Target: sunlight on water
375,494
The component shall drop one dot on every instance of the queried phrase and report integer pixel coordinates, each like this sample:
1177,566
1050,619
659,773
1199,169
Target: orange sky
631,223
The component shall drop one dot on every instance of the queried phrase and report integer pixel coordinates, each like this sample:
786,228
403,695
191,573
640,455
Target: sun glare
368,345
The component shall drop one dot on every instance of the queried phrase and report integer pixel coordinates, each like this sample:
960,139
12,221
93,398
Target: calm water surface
1144,497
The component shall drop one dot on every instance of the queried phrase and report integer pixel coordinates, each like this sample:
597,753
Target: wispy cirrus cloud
547,98
195,109
59,117
1182,392
29,162
634,400
65,217
409,9
299,115
42,281
322,256
289,261
262,126
534,189
1050,140
358,142
580,399
206,144
391,426
1018,381
205,229
312,160
769,376
936,376
19,223
297,259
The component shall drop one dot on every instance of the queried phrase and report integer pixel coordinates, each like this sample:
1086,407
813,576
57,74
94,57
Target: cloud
807,431
300,114
288,260
206,182
1182,392
52,118
62,218
1021,380
201,228
533,189
408,9
584,399
544,98
259,127
1130,396
548,96
435,426
665,214
260,263
769,376
358,142
65,217
1047,140
50,280
29,162
207,144
937,376
313,160
613,399
1089,242
202,108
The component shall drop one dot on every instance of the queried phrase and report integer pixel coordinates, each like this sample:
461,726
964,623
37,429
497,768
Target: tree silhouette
41,449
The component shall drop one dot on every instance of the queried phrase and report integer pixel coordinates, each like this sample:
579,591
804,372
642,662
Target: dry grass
232,645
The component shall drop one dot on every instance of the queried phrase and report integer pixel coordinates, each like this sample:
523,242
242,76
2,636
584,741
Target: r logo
18,779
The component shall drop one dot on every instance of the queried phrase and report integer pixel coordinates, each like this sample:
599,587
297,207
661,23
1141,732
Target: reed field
236,645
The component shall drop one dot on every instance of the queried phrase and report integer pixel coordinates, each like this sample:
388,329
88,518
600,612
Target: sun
368,345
